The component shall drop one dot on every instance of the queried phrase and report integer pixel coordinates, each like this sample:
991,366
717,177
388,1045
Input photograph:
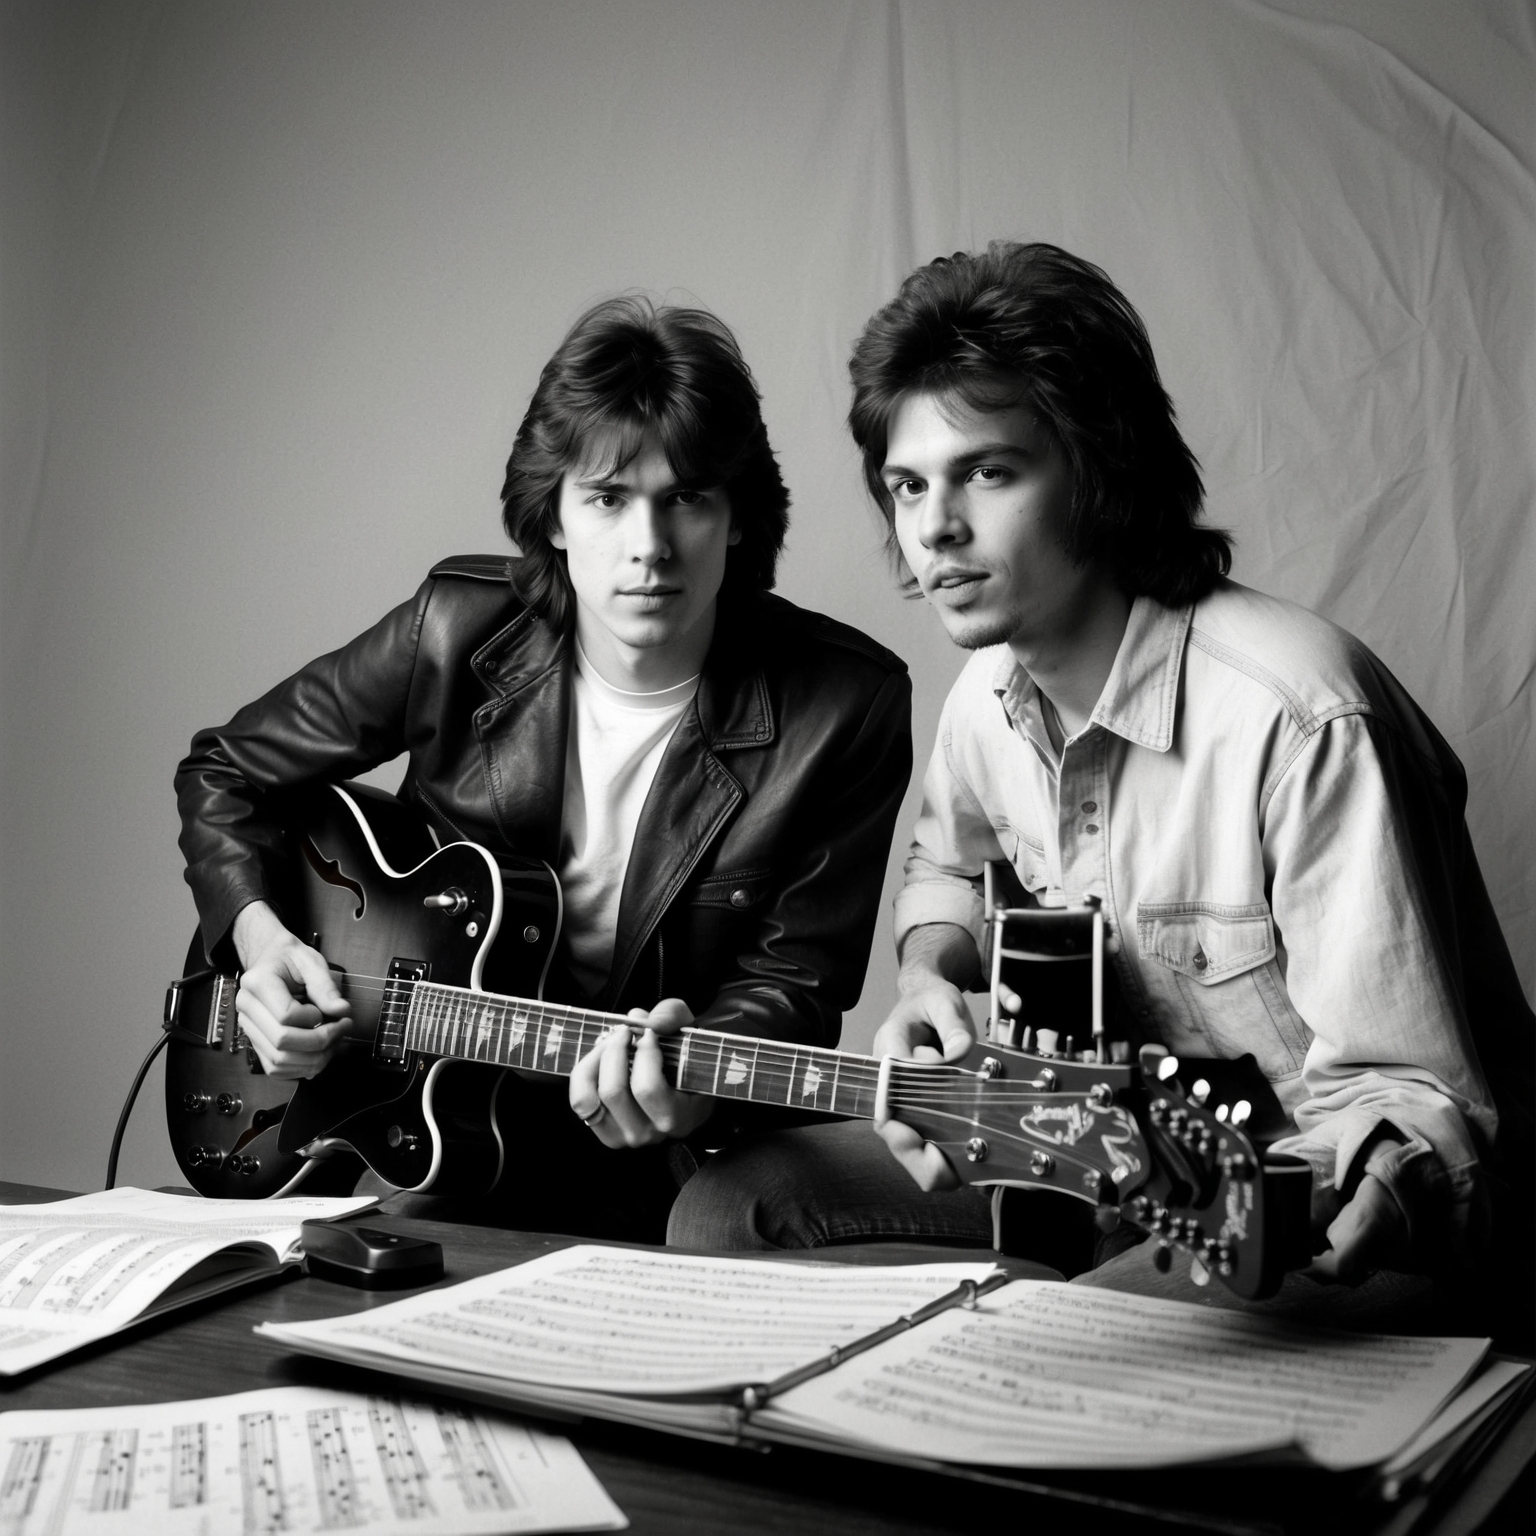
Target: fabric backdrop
278,278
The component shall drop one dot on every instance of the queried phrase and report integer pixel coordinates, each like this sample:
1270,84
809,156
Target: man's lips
649,591
954,580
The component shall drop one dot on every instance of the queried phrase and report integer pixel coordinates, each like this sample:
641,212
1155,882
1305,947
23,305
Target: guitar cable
133,1093
310,1163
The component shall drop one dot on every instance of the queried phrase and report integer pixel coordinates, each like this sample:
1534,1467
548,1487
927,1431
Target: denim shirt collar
1141,694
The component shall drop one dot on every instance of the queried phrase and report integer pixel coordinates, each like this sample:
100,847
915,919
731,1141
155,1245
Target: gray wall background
276,281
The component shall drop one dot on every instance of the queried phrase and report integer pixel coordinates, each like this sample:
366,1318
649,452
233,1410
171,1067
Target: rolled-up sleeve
1364,839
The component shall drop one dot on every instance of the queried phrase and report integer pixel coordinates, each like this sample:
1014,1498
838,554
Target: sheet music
1049,1375
292,1459
76,1270
622,1320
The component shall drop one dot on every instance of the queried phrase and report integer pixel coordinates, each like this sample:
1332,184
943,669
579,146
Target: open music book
72,1271
1009,1375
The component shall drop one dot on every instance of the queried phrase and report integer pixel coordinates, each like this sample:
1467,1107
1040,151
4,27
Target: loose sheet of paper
291,1459
1047,1375
76,1270
621,1320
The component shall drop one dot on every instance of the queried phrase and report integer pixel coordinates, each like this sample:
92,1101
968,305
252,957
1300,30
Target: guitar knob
195,1103
228,1104
453,901
401,1141
976,1150
250,1165
205,1157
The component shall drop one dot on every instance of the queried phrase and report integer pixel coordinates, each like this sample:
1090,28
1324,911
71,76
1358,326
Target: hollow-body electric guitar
443,952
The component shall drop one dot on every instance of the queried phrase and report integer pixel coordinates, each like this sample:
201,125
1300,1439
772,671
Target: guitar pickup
389,1040
221,1012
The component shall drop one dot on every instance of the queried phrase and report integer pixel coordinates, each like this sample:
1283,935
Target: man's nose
649,543
943,517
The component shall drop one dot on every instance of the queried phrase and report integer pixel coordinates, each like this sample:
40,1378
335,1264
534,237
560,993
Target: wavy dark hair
630,373
1034,325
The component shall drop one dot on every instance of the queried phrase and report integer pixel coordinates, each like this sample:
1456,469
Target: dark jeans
824,1185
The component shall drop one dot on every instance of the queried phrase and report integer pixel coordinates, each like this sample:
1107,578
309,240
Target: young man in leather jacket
713,772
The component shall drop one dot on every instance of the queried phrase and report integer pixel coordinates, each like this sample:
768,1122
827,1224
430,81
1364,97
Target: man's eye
905,490
688,498
989,474
604,501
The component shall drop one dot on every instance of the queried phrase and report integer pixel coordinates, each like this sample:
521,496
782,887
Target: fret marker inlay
811,1084
736,1073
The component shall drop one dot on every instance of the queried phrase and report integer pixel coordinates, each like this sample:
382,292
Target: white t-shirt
614,747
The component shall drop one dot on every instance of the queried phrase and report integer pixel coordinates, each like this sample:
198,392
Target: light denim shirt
1276,834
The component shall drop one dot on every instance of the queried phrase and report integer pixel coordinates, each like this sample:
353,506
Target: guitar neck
551,1037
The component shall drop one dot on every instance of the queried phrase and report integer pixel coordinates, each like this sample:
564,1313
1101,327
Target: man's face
646,556
981,503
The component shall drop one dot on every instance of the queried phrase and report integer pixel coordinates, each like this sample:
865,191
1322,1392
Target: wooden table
669,1486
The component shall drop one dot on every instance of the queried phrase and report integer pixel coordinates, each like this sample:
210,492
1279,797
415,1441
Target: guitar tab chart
292,1460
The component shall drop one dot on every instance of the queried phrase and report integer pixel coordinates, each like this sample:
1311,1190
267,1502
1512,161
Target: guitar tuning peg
1046,1041
1150,1057
1167,1067
1221,1113
1198,1272
1200,1092
1120,1052
1240,1113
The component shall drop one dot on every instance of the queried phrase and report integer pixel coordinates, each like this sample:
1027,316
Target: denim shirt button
1089,807
1199,962
1091,828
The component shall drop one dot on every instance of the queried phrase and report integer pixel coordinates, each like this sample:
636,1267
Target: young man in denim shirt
1273,828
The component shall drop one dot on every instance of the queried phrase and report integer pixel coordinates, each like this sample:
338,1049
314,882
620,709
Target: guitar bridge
389,1041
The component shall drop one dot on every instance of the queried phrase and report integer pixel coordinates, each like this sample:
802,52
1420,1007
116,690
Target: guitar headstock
1049,1102
1169,1145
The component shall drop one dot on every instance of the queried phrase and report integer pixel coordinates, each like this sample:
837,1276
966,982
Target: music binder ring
965,1295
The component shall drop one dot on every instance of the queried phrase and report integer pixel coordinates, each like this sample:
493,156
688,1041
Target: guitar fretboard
548,1037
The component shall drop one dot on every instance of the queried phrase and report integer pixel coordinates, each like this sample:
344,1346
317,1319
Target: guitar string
776,1063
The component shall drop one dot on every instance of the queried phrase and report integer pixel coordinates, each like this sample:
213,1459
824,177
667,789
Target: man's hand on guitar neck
289,1005
626,1100
931,1023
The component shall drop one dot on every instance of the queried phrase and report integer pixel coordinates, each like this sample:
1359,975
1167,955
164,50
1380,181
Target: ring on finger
595,1119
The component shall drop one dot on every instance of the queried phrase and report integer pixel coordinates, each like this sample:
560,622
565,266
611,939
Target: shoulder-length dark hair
1034,325
630,373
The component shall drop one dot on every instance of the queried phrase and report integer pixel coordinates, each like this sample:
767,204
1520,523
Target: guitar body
387,908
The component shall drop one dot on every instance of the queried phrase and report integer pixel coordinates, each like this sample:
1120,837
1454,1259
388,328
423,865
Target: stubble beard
979,633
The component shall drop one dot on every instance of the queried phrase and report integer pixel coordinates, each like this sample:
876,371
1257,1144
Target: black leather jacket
755,876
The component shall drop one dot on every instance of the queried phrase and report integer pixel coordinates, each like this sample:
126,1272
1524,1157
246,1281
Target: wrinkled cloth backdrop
278,279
